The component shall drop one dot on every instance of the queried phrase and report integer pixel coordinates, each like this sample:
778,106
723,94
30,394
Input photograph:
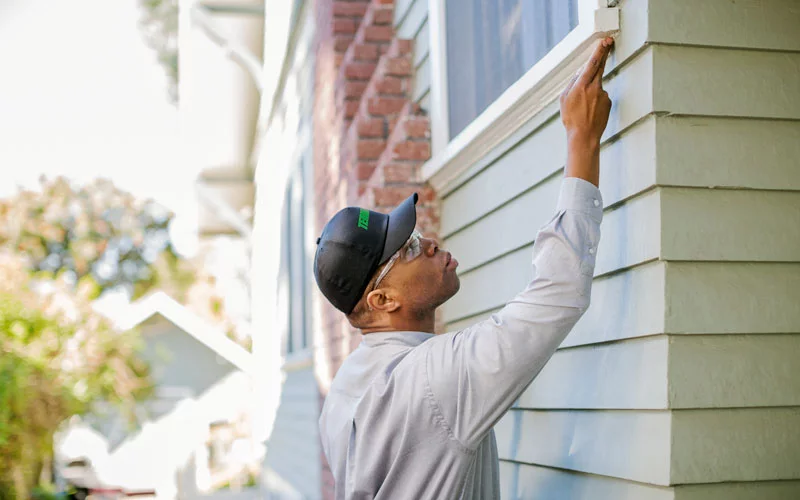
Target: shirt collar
410,339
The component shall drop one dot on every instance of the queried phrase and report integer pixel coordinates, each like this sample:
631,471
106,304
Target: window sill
522,101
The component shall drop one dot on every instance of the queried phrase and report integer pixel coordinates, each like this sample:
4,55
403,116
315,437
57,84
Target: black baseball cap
354,244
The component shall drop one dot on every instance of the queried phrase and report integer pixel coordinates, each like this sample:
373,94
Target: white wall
292,465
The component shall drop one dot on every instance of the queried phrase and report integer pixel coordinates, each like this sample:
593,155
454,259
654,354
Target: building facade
681,380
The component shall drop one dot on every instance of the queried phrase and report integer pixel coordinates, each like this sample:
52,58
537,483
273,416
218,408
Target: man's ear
383,299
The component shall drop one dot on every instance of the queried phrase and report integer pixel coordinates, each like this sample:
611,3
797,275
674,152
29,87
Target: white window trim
537,88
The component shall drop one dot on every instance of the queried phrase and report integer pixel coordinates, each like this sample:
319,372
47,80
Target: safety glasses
410,250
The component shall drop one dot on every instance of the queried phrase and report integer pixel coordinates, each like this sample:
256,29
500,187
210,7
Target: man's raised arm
476,374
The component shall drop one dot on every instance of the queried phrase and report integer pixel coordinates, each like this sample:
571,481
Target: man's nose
431,246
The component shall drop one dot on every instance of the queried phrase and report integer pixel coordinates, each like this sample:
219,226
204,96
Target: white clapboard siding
628,167
401,9
709,151
713,224
733,371
624,305
631,445
422,43
425,102
686,80
741,297
523,481
698,297
754,444
293,449
756,154
752,24
631,233
764,490
625,375
409,21
530,162
422,80
509,227
490,286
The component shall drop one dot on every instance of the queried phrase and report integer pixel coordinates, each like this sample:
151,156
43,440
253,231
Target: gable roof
161,303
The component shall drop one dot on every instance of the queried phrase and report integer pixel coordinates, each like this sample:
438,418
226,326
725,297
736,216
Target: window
495,64
492,43
293,274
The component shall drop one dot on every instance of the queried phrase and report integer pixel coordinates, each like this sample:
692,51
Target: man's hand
585,107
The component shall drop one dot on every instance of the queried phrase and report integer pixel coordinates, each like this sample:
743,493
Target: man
410,414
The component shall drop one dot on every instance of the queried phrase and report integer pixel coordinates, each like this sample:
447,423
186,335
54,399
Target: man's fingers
598,76
598,58
570,84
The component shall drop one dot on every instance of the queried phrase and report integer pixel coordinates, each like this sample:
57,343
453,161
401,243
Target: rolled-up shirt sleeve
476,374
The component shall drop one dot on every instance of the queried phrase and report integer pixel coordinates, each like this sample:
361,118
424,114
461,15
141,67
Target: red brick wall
369,143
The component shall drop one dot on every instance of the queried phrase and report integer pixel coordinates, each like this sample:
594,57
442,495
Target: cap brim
402,221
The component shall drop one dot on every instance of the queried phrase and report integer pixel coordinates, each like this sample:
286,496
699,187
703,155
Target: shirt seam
439,417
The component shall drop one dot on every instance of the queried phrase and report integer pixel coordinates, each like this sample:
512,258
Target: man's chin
453,290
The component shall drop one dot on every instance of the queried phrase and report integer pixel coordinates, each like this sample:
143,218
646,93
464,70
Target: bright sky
81,95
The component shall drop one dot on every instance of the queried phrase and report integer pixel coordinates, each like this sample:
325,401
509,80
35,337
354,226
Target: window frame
526,97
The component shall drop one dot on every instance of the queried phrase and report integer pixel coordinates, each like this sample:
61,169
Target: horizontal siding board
627,375
401,9
630,232
719,225
631,91
509,227
687,80
761,490
624,305
425,101
734,371
544,483
625,444
412,21
293,448
716,298
754,444
530,162
422,43
753,24
422,80
726,152
628,167
507,276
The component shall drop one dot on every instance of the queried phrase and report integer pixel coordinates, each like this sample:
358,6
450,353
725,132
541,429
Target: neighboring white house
195,434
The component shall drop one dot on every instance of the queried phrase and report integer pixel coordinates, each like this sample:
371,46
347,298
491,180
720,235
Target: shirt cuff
581,196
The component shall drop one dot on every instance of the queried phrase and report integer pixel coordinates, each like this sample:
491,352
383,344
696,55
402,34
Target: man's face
425,281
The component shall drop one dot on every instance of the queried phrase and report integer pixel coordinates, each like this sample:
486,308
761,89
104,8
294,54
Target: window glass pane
492,43
299,260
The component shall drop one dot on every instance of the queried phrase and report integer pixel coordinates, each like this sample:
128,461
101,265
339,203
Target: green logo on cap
363,219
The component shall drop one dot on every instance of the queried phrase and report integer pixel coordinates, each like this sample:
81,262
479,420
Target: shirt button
597,203
591,251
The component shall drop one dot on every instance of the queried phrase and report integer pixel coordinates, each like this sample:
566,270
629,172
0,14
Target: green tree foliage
159,25
95,230
57,357
61,247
